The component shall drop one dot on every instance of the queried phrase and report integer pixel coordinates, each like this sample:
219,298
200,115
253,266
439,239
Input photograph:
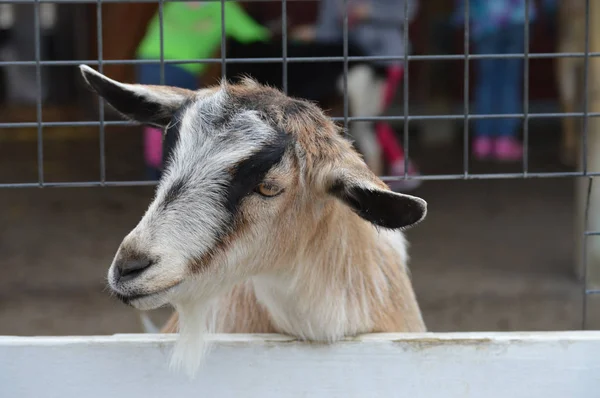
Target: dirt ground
492,254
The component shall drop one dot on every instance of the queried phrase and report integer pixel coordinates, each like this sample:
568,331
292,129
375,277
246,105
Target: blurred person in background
191,30
498,27
377,28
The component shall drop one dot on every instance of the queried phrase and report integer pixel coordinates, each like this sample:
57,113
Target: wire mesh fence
406,117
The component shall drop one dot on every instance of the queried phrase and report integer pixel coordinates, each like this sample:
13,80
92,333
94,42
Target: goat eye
268,190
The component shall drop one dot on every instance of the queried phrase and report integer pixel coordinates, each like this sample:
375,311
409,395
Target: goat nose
130,269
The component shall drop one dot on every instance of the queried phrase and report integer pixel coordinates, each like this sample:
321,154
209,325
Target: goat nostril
131,269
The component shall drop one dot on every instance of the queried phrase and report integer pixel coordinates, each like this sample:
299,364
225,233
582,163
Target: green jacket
193,31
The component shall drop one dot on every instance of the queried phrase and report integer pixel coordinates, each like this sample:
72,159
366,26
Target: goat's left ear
377,204
153,105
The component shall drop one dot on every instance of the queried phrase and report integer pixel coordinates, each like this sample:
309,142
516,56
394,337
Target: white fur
191,346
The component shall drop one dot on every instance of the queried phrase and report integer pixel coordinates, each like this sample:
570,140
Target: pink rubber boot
508,149
482,147
153,149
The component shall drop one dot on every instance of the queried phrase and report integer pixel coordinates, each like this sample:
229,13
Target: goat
569,72
265,220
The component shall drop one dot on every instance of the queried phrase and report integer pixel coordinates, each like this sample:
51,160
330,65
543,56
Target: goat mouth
129,299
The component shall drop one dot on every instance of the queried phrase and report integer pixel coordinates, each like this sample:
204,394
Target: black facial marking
251,171
172,133
174,192
382,208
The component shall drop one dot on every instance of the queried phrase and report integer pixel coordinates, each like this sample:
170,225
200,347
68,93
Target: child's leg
394,75
508,147
393,151
153,146
511,96
485,83
386,136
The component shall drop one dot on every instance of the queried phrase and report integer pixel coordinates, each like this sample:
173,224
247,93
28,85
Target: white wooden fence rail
447,365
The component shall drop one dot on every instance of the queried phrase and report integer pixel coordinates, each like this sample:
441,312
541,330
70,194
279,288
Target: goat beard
199,315
196,321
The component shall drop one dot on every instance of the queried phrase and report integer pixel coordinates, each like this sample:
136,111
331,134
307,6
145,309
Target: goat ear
153,105
379,205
